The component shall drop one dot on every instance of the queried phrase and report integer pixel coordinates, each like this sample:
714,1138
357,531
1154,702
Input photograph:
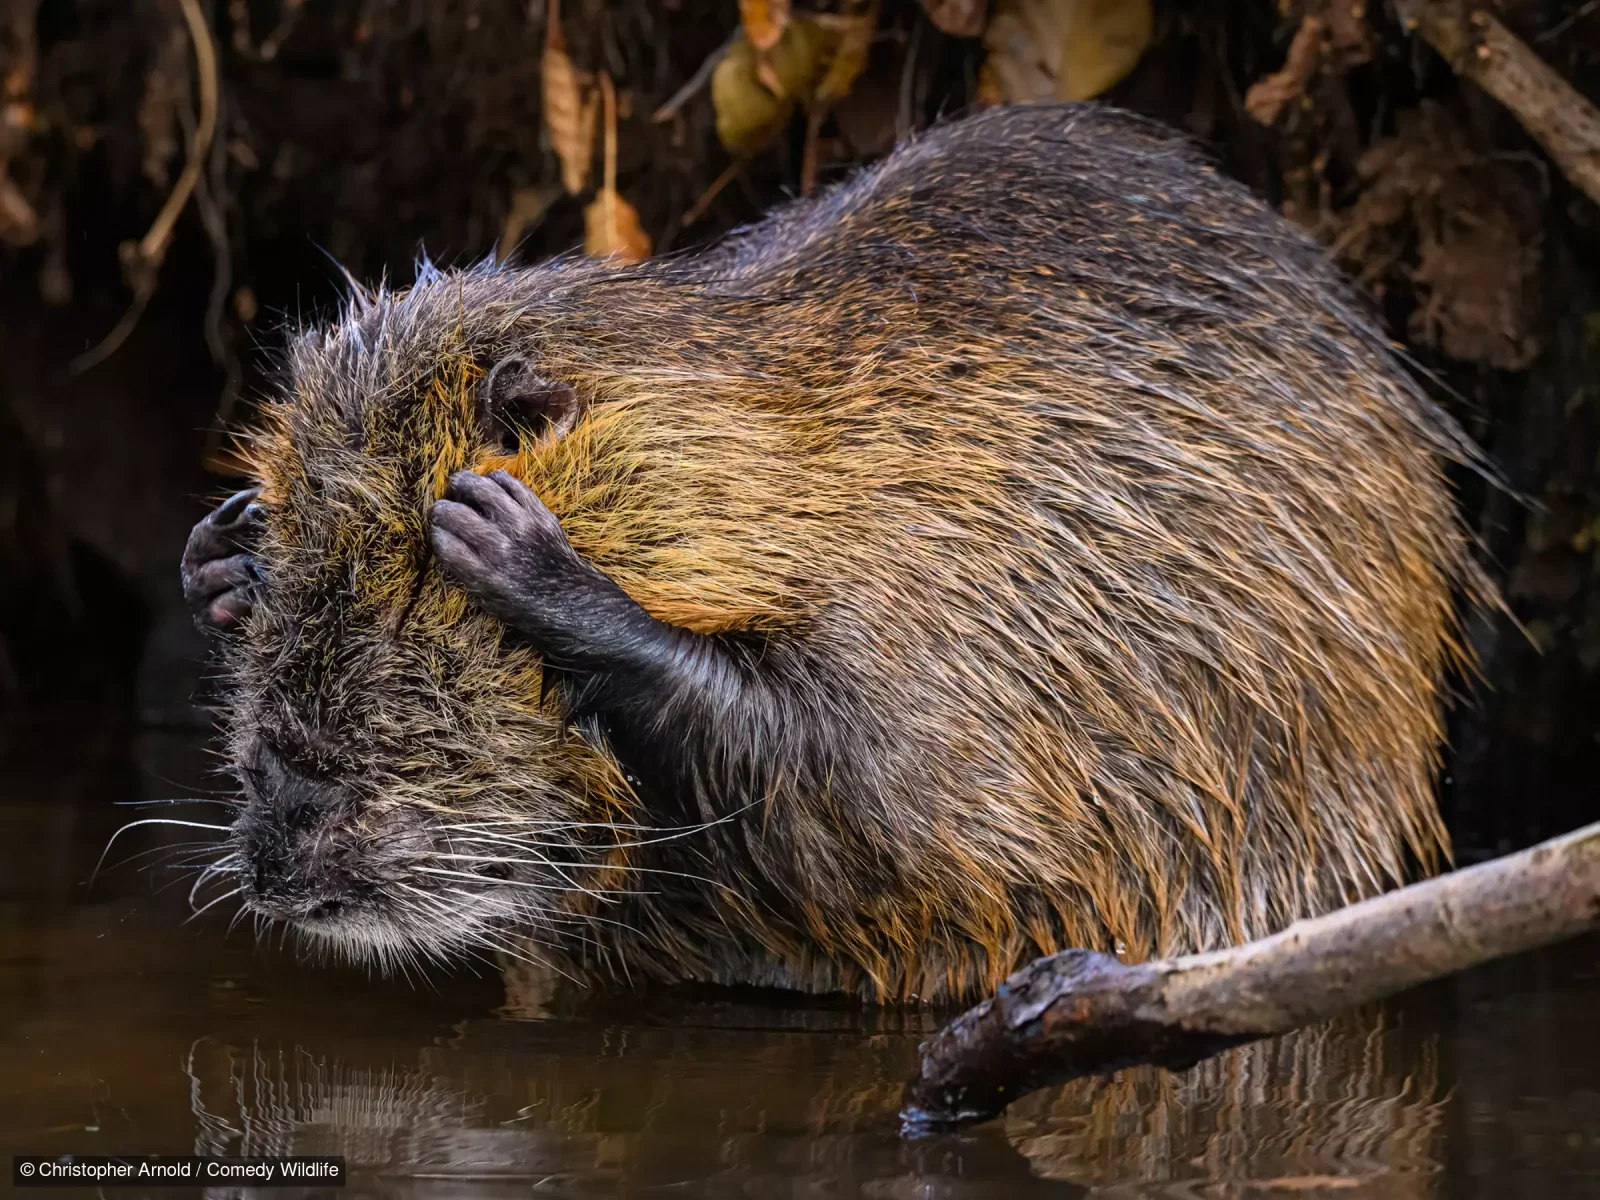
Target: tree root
141,260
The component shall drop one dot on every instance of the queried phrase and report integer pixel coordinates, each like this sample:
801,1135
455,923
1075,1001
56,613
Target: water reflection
739,1109
1355,1105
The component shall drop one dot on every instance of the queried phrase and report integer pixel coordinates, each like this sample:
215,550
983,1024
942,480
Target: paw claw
524,496
235,506
219,572
486,495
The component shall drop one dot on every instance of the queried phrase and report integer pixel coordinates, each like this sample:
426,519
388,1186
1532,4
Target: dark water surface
125,1030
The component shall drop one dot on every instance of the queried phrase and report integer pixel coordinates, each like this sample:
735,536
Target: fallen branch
1084,1013
1483,50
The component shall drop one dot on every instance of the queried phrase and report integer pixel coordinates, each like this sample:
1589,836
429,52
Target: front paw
508,550
219,570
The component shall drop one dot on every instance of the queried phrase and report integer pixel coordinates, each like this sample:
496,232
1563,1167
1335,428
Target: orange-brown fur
1123,541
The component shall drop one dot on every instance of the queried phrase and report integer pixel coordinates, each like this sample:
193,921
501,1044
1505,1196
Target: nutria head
405,784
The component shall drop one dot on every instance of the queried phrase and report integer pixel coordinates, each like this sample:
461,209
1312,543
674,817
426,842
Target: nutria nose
295,860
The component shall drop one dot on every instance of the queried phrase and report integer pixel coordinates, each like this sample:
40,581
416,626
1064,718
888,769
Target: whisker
523,955
178,800
538,887
630,869
173,849
93,875
213,903
220,867
239,914
668,832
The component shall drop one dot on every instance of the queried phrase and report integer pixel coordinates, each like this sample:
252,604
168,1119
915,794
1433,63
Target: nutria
1027,543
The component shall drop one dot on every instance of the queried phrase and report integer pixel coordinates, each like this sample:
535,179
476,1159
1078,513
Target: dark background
354,133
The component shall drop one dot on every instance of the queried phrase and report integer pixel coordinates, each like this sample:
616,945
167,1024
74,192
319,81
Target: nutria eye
515,400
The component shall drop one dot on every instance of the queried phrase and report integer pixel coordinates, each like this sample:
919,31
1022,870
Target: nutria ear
516,401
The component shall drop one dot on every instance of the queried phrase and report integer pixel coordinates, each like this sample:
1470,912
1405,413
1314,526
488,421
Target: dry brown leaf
570,106
959,18
754,93
1061,49
611,227
1267,96
764,21
1332,38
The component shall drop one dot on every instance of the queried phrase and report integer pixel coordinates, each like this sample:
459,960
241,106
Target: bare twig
141,261
699,207
698,80
905,111
810,158
1567,22
1084,1013
210,203
1483,50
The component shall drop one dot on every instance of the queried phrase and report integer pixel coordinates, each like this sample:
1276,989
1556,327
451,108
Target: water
125,1030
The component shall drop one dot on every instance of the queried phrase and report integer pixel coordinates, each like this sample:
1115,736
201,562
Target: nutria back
1028,543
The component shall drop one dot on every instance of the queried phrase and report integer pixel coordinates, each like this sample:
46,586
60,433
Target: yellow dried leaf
611,229
767,76
1103,41
749,111
570,107
851,43
764,21
1061,49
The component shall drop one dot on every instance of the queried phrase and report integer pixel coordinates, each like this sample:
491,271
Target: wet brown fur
1061,478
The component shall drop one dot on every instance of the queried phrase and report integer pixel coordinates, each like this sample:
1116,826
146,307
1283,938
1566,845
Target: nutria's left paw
219,570
508,550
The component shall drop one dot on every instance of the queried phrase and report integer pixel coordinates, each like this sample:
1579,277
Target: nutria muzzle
341,862
297,846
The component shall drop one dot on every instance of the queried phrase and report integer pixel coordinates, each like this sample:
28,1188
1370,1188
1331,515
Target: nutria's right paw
493,535
219,569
